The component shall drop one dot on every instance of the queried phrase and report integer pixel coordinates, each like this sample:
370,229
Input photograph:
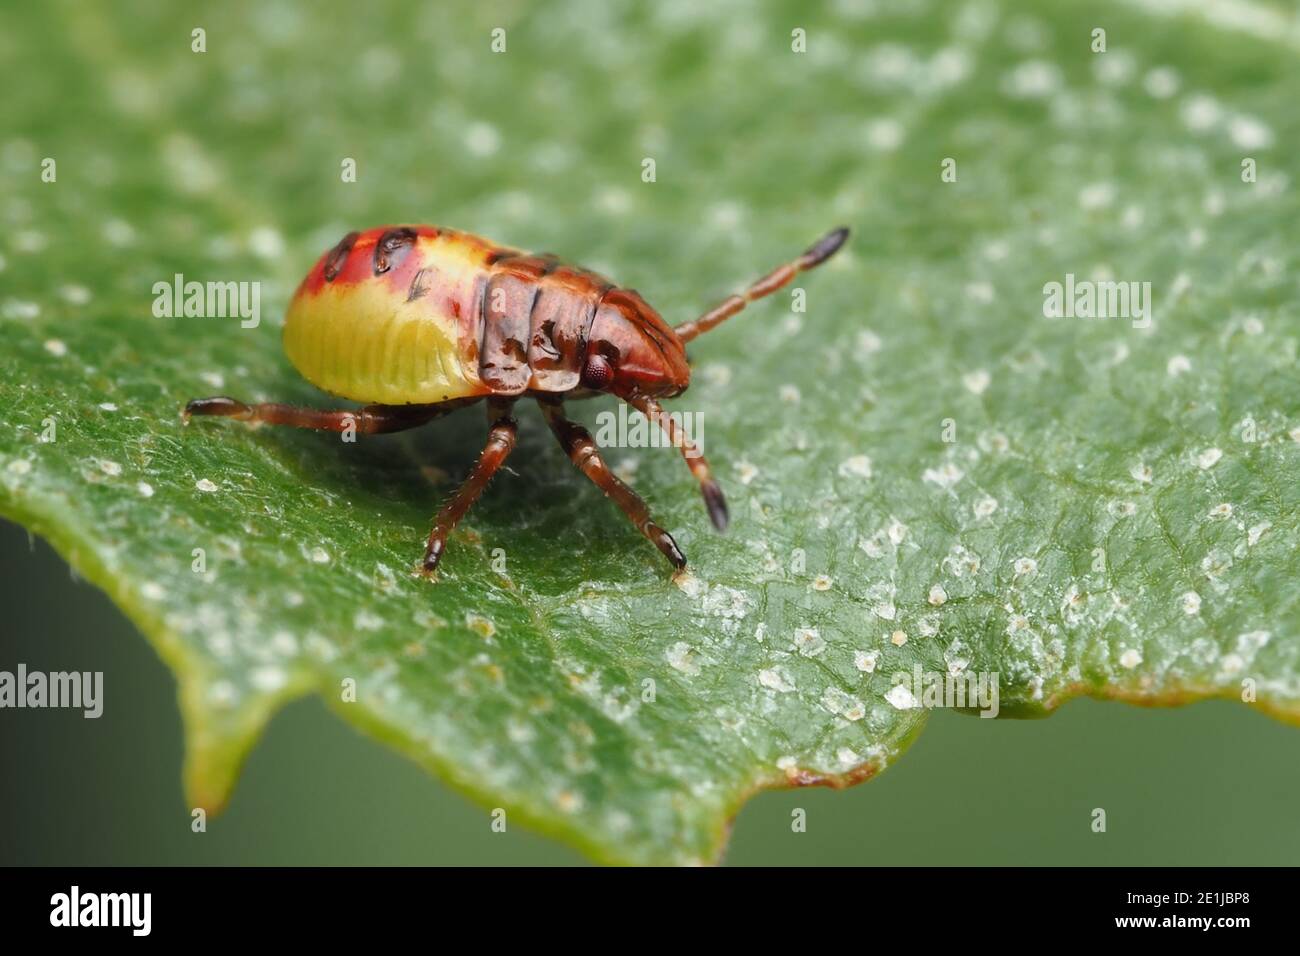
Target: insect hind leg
371,420
500,442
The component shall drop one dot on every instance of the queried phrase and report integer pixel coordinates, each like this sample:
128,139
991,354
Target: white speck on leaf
1201,112
900,698
945,476
808,641
1251,641
682,657
222,693
884,135
268,678
1247,132
20,309
689,584
896,531
774,679
75,294
865,661
868,342
1096,196
1032,80
482,139
204,484
859,466
480,625
266,243
961,561
1161,82
842,704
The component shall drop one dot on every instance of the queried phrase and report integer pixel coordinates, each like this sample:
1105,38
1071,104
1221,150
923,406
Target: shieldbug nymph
419,321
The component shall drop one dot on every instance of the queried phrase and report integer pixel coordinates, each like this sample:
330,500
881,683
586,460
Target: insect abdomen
405,315
388,316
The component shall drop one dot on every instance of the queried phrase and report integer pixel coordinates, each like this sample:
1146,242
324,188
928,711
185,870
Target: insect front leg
371,420
709,487
581,449
500,442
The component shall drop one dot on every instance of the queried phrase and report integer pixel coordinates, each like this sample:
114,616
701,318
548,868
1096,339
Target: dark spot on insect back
513,350
543,342
392,248
338,256
419,286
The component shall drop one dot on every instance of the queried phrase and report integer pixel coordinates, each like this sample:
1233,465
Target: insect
419,321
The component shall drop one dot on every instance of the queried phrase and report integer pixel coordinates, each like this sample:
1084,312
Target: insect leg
815,255
581,449
713,499
500,442
373,419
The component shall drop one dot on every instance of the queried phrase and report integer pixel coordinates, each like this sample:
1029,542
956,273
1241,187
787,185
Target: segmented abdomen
420,314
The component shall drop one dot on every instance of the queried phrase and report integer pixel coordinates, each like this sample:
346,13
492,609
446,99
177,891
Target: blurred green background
1210,784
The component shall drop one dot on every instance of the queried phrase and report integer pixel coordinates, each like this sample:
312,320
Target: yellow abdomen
387,317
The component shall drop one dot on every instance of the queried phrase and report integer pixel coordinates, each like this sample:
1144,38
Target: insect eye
597,372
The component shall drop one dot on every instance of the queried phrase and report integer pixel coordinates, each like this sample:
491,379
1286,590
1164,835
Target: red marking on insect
420,321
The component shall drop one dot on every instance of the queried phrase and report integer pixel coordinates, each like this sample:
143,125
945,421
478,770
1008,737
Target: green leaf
1115,517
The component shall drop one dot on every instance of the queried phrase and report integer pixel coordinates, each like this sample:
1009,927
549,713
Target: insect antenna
817,253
